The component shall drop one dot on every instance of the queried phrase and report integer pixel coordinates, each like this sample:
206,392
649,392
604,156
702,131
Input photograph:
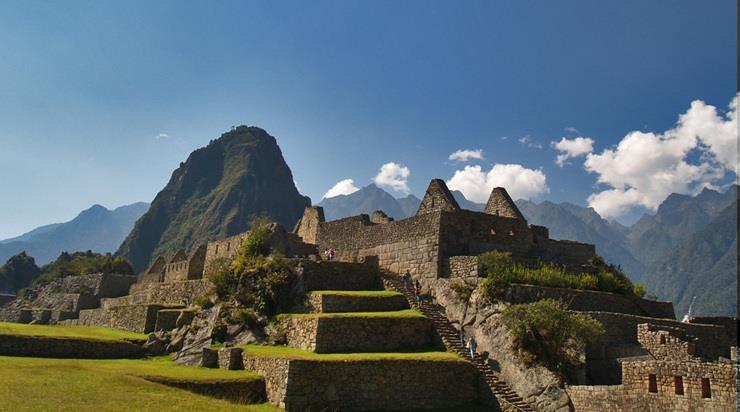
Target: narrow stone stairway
507,398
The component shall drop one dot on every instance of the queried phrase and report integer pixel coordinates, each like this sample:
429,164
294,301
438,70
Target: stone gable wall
663,343
221,250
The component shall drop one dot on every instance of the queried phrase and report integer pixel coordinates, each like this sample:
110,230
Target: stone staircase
506,397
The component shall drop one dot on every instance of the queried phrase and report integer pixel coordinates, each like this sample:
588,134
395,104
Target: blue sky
101,101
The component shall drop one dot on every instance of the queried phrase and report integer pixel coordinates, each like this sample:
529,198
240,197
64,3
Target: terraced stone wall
344,303
341,275
591,301
52,347
180,292
390,385
358,334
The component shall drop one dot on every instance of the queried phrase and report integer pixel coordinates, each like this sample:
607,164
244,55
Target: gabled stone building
424,243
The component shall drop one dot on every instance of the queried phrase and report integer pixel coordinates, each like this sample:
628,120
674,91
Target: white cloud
162,136
569,148
527,141
465,155
342,187
520,182
394,176
571,130
645,167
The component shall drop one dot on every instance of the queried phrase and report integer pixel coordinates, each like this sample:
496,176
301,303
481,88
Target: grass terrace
33,384
79,332
380,294
407,313
292,353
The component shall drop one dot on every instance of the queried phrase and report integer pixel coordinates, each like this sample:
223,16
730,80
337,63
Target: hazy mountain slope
96,228
409,205
366,200
571,222
677,218
465,203
704,265
214,194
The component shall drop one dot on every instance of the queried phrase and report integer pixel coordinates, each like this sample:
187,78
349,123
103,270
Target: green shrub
83,263
203,301
548,331
502,271
245,317
463,290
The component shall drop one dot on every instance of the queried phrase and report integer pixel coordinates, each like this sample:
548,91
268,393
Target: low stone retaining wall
168,319
333,303
6,298
591,300
245,391
366,385
358,334
53,347
182,292
134,318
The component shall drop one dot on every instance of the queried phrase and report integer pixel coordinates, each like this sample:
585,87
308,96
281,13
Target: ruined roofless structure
423,244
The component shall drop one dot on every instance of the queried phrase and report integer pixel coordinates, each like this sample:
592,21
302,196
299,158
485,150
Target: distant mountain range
97,229
215,193
688,248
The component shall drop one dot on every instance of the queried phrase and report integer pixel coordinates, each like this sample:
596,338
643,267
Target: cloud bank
394,176
646,167
520,182
343,187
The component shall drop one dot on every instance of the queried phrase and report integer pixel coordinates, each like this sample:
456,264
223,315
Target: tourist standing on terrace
417,292
407,280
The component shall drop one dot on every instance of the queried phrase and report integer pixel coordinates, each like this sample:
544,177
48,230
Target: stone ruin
644,356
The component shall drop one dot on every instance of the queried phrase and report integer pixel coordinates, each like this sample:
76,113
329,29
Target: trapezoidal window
662,339
678,384
652,384
706,388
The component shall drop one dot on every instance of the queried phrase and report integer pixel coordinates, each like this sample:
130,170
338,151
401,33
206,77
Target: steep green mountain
677,218
97,228
703,265
17,273
571,222
366,200
214,194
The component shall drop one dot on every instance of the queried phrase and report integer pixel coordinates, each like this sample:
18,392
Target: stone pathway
506,397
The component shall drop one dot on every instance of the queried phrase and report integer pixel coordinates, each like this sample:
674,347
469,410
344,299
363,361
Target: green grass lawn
292,353
36,384
362,293
64,331
407,313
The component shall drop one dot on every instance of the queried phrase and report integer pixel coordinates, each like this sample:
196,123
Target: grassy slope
292,353
408,313
33,384
362,293
83,332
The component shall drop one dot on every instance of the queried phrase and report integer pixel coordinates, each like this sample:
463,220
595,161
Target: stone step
333,301
358,332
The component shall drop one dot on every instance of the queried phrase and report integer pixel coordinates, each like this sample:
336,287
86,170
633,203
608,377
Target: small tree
548,331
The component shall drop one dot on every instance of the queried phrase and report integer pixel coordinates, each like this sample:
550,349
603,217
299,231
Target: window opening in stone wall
662,339
706,389
652,384
678,384
216,248
228,246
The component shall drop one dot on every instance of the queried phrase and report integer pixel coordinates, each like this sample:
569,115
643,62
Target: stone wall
410,244
591,300
6,298
666,343
298,385
622,329
463,267
134,318
340,275
181,292
221,250
635,393
330,334
332,303
53,347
